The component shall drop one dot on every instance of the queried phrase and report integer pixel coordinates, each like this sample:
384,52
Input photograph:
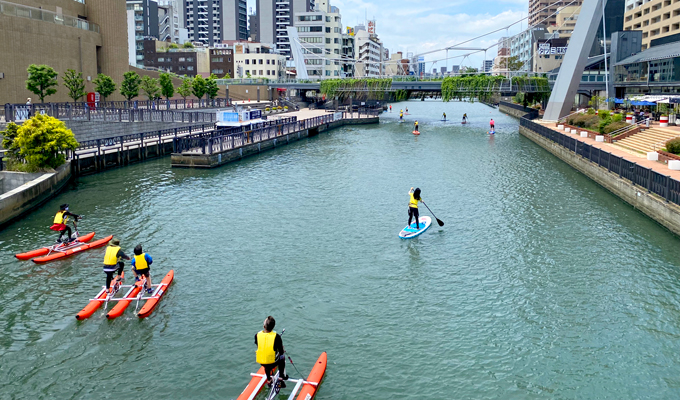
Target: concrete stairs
648,140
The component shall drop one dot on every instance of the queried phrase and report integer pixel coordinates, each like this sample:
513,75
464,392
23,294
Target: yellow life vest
59,218
413,203
140,262
110,255
265,348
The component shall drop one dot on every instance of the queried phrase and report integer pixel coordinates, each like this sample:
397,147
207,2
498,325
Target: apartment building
64,34
369,54
142,22
398,65
257,60
235,20
522,45
348,55
274,16
170,28
321,39
543,12
203,19
655,18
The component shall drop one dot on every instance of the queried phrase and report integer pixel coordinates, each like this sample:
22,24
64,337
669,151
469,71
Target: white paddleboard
411,231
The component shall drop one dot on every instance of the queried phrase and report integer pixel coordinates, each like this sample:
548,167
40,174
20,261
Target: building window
229,59
335,40
247,61
261,61
335,73
328,73
261,73
190,68
328,30
328,19
161,59
254,61
267,72
247,71
218,59
267,62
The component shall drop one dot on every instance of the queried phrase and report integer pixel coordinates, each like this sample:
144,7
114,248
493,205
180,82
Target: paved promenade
629,155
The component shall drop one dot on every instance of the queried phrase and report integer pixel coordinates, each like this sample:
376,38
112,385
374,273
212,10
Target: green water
540,285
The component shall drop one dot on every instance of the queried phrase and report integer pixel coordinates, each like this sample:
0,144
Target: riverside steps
649,186
223,145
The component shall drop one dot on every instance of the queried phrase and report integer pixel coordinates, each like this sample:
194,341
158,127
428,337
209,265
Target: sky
419,26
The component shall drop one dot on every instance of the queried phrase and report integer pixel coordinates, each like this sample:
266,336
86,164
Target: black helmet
63,207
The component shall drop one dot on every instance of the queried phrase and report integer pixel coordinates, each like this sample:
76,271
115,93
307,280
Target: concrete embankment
28,191
654,205
215,160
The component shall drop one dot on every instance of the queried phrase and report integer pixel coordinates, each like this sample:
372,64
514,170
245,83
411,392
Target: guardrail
652,181
83,112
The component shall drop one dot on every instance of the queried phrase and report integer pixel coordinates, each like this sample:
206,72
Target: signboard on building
350,31
371,27
238,49
226,116
255,114
546,49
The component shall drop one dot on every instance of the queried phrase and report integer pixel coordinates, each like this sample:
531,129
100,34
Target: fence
646,178
119,111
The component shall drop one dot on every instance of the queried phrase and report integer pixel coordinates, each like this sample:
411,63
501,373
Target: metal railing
16,10
652,181
83,112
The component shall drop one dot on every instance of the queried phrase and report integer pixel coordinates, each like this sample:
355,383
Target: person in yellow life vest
401,115
60,221
415,126
141,264
113,261
444,116
413,206
270,351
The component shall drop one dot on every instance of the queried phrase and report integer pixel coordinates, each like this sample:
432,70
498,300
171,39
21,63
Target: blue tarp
618,101
642,103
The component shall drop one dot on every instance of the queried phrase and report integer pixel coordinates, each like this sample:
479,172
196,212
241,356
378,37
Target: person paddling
465,118
270,351
444,116
415,126
413,206
406,110
141,264
60,221
401,115
113,261
493,125
390,107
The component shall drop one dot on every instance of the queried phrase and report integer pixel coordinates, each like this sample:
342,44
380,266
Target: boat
135,293
307,388
102,298
56,247
70,250
412,231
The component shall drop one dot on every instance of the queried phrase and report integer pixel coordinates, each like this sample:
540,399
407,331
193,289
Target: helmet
63,207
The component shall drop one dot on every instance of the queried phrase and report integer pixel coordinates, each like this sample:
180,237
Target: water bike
304,389
135,293
63,249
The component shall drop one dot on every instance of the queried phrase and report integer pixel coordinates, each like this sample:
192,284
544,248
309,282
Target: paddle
440,222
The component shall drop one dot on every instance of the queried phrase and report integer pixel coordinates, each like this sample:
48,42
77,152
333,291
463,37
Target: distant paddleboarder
444,116
401,115
465,118
415,127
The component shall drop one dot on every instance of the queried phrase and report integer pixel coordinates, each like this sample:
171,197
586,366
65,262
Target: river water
540,285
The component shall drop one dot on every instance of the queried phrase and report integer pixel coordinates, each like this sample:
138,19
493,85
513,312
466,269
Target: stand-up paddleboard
464,122
416,133
411,231
491,132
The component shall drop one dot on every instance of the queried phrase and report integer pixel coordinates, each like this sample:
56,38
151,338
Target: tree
188,45
198,86
129,88
185,89
510,64
173,46
9,136
150,87
41,140
75,84
227,76
104,85
469,70
248,74
167,88
42,80
211,87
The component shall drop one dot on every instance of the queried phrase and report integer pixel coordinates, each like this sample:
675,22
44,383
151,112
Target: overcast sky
419,26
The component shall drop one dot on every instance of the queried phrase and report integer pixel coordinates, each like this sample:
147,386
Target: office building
203,19
654,71
543,12
64,34
655,18
321,39
398,65
274,16
235,20
487,65
142,22
254,28
257,60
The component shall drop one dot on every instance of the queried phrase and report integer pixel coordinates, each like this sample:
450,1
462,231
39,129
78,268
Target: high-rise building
203,19
235,20
274,16
487,65
522,45
369,54
142,22
254,27
321,39
83,36
655,18
543,12
169,26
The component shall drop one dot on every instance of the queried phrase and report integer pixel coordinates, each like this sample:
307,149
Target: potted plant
285,108
266,110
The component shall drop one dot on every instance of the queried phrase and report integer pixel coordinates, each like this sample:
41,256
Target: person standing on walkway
413,206
113,261
270,351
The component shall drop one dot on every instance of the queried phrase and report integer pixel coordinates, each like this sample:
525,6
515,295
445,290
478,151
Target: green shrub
42,139
673,146
604,114
583,120
603,124
617,118
590,111
614,126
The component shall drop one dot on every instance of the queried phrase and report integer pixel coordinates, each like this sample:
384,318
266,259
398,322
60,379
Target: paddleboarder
413,206
270,351
60,221
113,261
465,118
493,125
141,263
406,110
444,116
401,115
390,107
415,126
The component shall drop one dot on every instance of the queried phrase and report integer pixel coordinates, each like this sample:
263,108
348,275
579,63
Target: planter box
599,138
574,131
674,165
653,156
584,134
560,127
